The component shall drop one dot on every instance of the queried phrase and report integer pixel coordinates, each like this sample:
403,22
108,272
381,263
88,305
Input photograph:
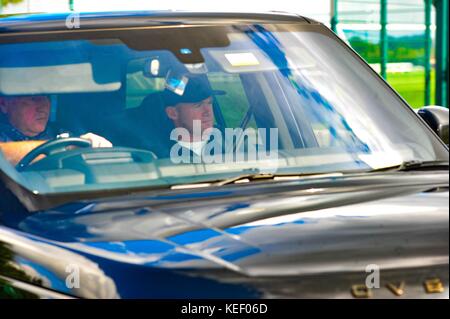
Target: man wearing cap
189,107
25,118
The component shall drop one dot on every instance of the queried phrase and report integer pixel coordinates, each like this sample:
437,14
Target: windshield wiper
246,178
252,177
414,166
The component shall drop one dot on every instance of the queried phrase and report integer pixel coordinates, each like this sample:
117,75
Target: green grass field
411,86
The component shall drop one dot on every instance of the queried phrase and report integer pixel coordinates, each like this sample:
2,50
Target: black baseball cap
188,89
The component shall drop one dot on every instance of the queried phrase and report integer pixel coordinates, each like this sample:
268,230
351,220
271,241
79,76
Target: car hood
242,237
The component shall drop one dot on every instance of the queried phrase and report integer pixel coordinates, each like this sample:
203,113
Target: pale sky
318,9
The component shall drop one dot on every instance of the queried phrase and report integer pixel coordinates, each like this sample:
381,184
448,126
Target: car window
234,105
138,85
194,105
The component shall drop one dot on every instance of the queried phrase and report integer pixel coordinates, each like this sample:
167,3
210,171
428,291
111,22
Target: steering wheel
51,147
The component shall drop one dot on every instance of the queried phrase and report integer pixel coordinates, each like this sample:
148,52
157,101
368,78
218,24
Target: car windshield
168,105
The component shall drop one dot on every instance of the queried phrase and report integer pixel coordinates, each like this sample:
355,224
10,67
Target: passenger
25,118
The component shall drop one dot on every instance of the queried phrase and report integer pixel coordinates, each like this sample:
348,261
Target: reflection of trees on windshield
326,114
7,269
6,2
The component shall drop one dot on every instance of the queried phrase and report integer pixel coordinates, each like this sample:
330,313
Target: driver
25,118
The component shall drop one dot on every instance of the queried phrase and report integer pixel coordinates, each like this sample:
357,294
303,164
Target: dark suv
253,156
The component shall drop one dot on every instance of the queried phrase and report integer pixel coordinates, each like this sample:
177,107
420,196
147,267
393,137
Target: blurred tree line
8,270
6,2
400,49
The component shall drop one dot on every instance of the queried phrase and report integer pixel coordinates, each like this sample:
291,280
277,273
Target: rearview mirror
437,118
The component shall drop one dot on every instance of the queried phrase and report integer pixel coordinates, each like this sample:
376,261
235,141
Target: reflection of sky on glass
193,236
320,108
180,249
188,246
240,254
174,258
46,275
134,246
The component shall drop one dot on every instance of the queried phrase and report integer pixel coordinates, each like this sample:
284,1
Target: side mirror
437,118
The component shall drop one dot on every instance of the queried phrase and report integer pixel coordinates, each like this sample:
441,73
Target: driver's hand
97,141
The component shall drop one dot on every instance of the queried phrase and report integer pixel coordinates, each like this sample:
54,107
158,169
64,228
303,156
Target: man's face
28,114
184,114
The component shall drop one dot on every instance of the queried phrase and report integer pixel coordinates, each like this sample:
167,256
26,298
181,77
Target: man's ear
172,113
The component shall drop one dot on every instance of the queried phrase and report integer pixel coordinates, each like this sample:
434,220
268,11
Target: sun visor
242,61
254,60
69,78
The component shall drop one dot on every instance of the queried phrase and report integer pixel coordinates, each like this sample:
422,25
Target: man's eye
37,99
